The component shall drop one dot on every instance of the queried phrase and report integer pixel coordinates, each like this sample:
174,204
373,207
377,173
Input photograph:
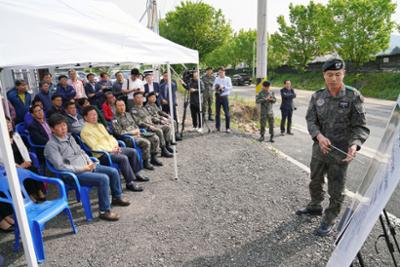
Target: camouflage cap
333,64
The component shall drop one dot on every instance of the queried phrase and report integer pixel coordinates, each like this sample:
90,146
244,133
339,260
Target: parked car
241,79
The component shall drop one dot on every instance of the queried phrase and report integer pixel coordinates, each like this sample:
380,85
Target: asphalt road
299,145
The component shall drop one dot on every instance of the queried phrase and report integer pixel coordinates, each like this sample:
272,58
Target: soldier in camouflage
143,120
124,124
208,80
336,121
266,99
157,115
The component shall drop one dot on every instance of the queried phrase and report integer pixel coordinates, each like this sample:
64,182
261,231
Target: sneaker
228,131
134,187
325,228
194,129
109,216
200,130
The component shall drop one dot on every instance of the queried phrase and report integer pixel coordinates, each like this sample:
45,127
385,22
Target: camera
218,89
188,76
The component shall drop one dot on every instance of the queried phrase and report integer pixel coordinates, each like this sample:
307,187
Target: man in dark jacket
66,91
39,130
287,95
151,86
57,106
44,95
20,99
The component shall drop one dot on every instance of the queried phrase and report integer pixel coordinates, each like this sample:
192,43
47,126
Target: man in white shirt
132,85
223,87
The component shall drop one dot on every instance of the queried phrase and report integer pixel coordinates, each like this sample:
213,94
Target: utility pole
152,24
261,42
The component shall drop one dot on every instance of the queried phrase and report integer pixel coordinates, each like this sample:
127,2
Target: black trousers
222,101
195,112
286,115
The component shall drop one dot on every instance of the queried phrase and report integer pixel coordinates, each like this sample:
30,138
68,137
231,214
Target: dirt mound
245,116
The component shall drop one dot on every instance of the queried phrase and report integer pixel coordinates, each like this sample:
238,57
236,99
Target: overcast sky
241,14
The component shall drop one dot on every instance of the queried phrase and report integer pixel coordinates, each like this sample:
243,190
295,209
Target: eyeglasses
37,110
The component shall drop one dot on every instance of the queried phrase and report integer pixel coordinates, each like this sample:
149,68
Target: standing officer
287,95
266,99
208,80
335,120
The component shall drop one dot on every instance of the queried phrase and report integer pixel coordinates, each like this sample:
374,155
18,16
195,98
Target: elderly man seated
96,137
65,154
124,124
74,119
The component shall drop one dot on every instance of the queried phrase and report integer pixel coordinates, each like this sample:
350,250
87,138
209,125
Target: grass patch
383,85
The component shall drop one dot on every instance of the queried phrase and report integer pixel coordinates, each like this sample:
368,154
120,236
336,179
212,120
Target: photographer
223,87
193,88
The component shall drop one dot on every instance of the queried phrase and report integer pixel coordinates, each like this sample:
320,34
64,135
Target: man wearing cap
266,99
144,120
336,122
131,86
124,124
208,80
158,116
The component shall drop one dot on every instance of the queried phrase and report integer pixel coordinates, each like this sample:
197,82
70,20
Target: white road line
306,169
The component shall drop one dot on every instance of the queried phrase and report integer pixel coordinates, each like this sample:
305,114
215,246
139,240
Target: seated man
143,120
157,115
57,106
108,106
28,118
39,130
64,154
66,91
74,119
125,124
96,137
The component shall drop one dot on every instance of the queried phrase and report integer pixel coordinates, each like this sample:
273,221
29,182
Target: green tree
361,28
277,52
196,25
242,47
305,36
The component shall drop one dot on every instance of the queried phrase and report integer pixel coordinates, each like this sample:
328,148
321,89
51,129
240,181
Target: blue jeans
224,102
102,177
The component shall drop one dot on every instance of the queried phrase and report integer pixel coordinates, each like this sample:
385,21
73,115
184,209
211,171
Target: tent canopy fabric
45,33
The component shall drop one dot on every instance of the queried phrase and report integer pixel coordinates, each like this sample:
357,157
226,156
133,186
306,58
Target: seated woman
22,160
6,218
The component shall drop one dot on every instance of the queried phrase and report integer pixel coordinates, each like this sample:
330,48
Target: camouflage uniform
143,118
125,124
266,111
208,94
341,119
157,115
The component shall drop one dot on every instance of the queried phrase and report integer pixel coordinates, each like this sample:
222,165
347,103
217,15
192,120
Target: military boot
147,165
261,139
154,160
165,153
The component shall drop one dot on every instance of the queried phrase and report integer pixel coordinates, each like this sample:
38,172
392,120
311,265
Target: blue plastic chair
38,214
136,147
71,182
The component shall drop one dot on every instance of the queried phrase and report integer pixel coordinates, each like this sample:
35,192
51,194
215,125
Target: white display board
378,185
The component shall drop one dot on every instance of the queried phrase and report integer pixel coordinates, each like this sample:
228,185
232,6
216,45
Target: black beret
333,64
137,93
266,83
150,94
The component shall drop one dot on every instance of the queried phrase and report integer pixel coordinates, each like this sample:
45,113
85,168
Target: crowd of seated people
67,122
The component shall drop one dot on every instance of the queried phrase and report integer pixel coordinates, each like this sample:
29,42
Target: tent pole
4,94
171,111
15,189
200,96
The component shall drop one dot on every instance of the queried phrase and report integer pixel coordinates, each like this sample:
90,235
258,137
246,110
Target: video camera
188,75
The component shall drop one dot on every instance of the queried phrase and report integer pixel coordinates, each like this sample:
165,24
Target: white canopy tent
44,33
